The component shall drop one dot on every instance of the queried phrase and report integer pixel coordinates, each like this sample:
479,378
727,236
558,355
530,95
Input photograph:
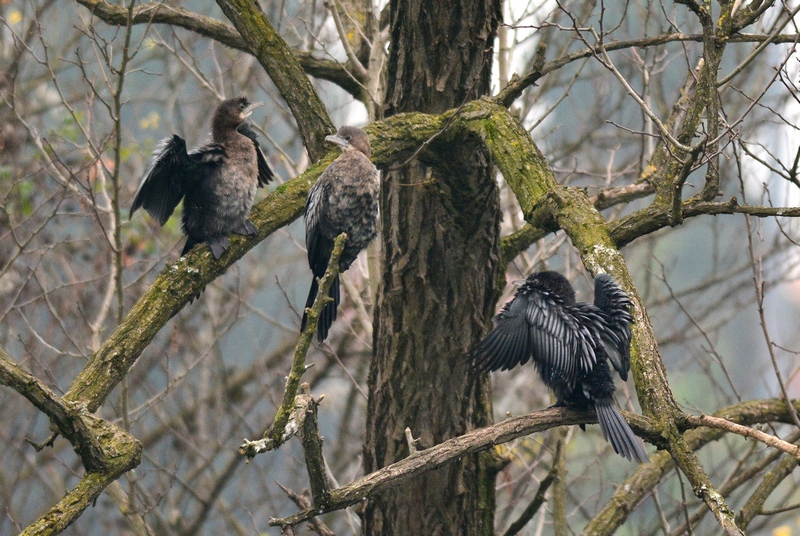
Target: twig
744,431
302,501
772,480
741,478
358,67
283,425
538,499
758,284
412,443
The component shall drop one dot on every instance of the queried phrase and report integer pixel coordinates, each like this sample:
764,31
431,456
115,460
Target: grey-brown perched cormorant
570,343
217,181
343,200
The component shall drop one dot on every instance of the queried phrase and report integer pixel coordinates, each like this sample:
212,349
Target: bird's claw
218,246
249,228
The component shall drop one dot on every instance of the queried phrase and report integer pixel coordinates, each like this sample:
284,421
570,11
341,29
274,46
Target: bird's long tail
328,314
617,432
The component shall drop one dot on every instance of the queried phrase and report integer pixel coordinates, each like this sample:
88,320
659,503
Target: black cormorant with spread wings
570,344
216,181
343,200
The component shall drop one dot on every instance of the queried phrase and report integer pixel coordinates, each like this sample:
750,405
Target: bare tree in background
513,136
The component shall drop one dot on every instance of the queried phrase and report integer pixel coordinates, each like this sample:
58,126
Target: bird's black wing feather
161,188
616,335
328,314
534,325
318,245
173,173
592,325
507,345
319,248
559,344
265,174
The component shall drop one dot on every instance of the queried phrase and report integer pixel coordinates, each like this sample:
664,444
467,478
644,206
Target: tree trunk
440,228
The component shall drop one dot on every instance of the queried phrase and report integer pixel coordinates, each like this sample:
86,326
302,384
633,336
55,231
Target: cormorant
570,344
217,181
343,200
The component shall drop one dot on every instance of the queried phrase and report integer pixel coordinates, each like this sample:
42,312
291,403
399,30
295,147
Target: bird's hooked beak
338,140
518,282
249,110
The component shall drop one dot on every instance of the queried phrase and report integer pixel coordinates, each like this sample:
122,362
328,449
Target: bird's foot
247,228
218,246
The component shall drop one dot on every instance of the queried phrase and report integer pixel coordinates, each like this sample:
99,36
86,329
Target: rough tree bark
440,234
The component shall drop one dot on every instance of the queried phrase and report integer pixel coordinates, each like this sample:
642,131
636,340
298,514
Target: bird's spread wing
172,173
560,344
616,305
508,344
161,188
265,174
536,326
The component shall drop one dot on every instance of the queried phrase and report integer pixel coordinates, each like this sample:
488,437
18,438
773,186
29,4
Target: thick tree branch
647,221
741,478
312,451
106,450
303,501
610,518
515,243
702,486
434,457
85,431
157,13
653,218
70,508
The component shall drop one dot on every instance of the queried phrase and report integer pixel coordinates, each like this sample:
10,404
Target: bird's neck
223,133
